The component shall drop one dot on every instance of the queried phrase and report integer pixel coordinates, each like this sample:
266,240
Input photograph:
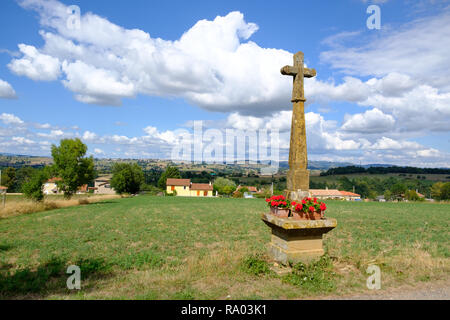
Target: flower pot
315,215
273,210
299,215
282,212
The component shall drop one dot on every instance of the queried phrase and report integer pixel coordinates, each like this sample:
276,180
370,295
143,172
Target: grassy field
186,248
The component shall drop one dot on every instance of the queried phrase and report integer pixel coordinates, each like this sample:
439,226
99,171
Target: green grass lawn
186,248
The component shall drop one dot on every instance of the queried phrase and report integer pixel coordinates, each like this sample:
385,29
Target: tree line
383,170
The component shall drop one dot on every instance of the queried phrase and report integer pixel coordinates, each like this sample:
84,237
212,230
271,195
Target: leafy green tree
171,172
23,175
127,178
32,189
398,189
412,195
436,190
224,186
445,191
9,178
388,195
72,166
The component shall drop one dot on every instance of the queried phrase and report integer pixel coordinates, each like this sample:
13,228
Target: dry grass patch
15,208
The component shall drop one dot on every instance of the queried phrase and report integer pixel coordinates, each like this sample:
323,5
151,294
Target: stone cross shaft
298,175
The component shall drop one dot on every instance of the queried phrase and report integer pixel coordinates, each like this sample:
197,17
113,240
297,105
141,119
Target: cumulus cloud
417,49
8,118
35,65
212,65
6,90
371,121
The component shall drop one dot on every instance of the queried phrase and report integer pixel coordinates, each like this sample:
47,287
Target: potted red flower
308,209
279,206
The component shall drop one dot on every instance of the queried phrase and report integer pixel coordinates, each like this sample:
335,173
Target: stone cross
298,175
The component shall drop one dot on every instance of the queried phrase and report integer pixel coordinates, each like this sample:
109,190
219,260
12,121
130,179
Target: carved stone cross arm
298,71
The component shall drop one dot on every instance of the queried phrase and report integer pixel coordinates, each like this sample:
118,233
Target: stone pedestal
296,240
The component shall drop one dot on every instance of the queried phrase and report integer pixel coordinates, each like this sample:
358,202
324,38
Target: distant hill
16,160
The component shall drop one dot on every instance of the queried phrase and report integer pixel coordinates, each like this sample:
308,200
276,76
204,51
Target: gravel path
428,291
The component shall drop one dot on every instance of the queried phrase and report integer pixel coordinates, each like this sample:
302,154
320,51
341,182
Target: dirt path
426,291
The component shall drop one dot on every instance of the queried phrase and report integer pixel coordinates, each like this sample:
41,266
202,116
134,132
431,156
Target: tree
224,186
412,195
72,166
387,195
127,178
8,178
32,189
445,191
398,189
171,172
23,175
436,190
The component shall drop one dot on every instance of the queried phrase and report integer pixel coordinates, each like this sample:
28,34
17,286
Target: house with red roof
185,188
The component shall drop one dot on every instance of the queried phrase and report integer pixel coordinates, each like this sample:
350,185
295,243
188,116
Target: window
205,193
184,187
198,193
172,188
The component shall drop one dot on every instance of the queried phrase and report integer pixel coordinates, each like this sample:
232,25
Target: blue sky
136,72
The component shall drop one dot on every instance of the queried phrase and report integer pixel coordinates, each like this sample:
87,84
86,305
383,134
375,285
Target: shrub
127,178
255,265
33,188
318,276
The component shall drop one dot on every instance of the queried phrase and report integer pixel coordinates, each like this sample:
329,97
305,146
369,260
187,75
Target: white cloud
8,118
35,65
371,121
212,65
417,49
6,90
99,151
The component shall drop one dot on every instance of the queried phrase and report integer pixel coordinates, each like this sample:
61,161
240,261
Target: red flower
309,199
294,203
268,200
304,201
315,200
323,207
298,207
311,209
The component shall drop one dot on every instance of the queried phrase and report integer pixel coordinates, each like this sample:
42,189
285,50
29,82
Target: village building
334,194
102,185
50,187
185,188
251,189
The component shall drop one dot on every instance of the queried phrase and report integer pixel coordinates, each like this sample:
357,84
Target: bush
224,186
127,178
33,188
255,265
317,276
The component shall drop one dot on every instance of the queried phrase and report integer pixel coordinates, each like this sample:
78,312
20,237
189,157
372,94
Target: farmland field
187,248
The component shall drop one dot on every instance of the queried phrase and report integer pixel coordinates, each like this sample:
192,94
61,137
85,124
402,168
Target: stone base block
296,240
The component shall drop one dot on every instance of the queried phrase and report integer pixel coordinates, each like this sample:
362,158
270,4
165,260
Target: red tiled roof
251,189
178,182
54,179
3,188
201,186
351,194
325,193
